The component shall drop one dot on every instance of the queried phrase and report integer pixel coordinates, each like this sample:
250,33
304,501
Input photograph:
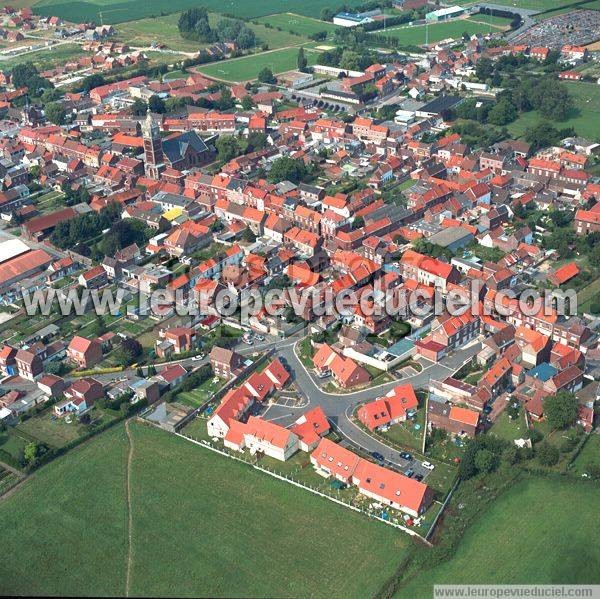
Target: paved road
339,407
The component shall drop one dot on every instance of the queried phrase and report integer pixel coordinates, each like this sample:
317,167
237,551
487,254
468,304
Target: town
394,154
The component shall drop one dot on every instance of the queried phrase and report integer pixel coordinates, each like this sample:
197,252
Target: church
179,151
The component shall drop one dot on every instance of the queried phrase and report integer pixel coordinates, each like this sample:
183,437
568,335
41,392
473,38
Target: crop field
163,30
120,11
584,119
299,24
200,521
541,531
248,67
452,29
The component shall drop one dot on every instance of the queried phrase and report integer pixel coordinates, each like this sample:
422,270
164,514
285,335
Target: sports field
584,119
201,524
299,24
416,35
248,67
538,5
541,531
119,11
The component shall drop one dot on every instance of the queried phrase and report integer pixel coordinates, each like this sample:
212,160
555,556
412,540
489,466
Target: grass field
200,394
248,67
586,295
585,118
120,11
439,31
45,58
202,525
590,454
538,5
300,24
145,32
538,532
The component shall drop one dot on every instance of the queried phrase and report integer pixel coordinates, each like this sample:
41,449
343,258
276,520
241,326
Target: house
225,363
397,405
262,436
310,428
94,278
331,459
172,375
453,419
392,489
234,406
176,340
84,352
79,397
345,371
29,364
51,385
455,331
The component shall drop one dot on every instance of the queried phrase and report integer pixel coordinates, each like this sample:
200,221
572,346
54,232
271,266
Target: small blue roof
543,371
401,347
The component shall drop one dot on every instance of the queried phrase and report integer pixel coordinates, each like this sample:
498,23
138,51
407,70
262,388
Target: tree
256,141
130,349
484,69
92,81
302,62
542,135
358,223
287,169
266,76
227,148
30,452
547,454
350,60
560,410
99,327
247,102
485,461
156,104
502,113
139,107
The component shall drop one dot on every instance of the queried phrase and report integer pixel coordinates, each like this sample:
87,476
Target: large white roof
12,248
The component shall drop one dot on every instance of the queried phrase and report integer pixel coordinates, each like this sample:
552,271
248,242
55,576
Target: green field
45,58
202,525
585,118
119,11
452,29
299,24
541,531
590,454
248,67
163,30
538,5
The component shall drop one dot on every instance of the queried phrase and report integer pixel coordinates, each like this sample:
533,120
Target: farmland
439,31
248,67
120,11
45,58
305,26
198,504
584,118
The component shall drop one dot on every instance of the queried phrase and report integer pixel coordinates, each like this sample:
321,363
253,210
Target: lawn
120,11
248,67
538,532
586,295
12,446
508,429
584,119
202,525
415,35
145,32
201,394
305,26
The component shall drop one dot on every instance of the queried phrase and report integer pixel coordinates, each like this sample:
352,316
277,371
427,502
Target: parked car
406,456
419,477
427,465
409,472
376,455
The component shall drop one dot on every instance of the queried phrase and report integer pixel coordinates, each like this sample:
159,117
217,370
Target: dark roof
441,103
175,147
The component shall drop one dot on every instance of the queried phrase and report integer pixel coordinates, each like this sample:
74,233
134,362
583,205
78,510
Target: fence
284,478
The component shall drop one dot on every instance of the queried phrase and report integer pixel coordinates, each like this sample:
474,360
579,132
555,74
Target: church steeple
153,152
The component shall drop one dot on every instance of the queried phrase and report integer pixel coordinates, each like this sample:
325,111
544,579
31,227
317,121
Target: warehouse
445,13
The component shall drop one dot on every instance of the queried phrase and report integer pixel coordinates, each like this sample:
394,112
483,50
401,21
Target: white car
427,465
198,357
